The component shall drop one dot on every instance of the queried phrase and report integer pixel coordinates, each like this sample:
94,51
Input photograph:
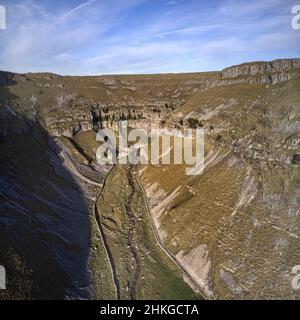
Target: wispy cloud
77,9
138,36
191,30
171,3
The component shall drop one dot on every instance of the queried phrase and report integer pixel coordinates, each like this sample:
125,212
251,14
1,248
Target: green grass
159,277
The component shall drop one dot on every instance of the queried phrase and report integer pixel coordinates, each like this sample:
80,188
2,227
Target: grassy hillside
244,208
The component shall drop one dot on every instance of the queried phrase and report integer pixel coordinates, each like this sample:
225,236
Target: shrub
193,123
219,137
296,159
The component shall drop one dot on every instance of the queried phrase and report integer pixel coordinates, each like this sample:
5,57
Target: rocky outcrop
213,225
146,118
87,103
12,123
68,127
70,131
6,78
9,78
272,72
65,105
252,69
198,264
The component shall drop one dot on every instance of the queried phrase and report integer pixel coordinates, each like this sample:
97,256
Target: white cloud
109,36
171,3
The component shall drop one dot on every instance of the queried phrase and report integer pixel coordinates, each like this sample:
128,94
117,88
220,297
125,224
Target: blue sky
83,37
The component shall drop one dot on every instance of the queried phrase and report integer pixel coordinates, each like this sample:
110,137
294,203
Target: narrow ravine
130,236
131,240
124,288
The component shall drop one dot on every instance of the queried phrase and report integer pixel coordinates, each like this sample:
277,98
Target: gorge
72,229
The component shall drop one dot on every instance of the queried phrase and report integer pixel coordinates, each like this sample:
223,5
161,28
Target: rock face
6,78
143,117
65,105
12,123
259,72
44,221
252,69
245,206
70,123
198,265
235,229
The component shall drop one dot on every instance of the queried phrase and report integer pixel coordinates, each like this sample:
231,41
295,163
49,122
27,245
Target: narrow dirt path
105,243
68,162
